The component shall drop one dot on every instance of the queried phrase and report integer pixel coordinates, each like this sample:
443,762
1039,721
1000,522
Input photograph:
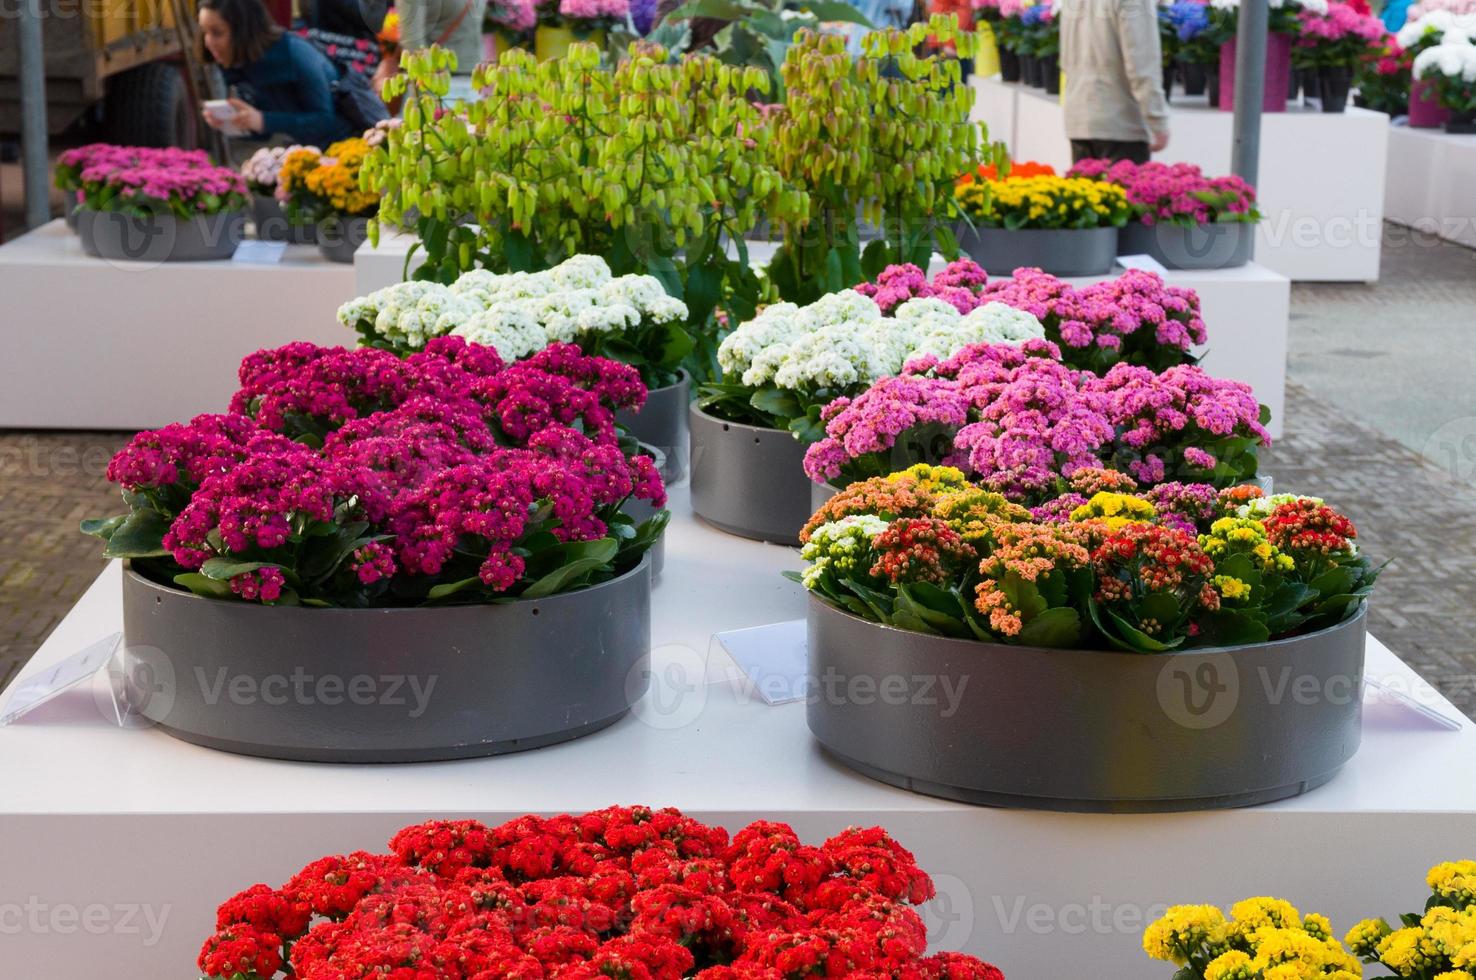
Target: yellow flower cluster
1264,939
1454,882
1244,536
330,179
1115,510
1043,202
1445,937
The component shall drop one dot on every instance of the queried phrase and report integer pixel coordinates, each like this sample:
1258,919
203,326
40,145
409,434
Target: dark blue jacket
292,86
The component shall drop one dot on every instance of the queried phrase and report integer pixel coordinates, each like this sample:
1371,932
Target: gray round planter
339,238
641,511
160,238
749,481
272,224
69,209
820,494
1059,251
388,685
662,424
1216,246
1085,730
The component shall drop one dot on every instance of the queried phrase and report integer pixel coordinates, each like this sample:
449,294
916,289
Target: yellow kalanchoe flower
1115,509
1183,927
933,478
1363,939
1454,881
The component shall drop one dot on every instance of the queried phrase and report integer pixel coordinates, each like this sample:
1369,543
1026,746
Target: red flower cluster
1302,527
1142,560
626,892
919,549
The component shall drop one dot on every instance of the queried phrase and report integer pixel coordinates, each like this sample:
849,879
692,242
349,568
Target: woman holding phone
281,84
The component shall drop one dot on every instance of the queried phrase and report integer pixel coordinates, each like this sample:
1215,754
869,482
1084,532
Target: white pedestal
140,836
1321,183
1431,184
93,344
377,266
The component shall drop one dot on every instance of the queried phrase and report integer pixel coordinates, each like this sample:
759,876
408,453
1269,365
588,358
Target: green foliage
651,164
879,138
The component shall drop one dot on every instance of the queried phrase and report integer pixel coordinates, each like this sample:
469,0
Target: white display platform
116,845
1431,185
93,344
1322,175
1247,310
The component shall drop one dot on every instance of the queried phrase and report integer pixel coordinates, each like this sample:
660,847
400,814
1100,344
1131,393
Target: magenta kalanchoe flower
345,476
1174,193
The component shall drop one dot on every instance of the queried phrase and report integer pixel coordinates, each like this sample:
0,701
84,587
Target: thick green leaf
591,555
200,585
451,588
103,527
139,535
225,569
1057,628
776,401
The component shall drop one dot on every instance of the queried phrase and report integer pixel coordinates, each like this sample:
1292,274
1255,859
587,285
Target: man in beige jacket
1114,102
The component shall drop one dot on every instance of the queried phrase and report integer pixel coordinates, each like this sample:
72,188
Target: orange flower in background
1018,168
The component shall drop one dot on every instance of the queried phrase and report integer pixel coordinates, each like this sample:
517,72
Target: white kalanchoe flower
997,323
1453,57
580,272
773,327
510,328
836,541
558,312
607,318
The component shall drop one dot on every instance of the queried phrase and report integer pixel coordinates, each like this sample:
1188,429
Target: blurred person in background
1114,103
280,84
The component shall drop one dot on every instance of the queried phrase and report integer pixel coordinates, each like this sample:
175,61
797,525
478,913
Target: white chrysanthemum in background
1453,57
510,328
774,327
408,313
607,318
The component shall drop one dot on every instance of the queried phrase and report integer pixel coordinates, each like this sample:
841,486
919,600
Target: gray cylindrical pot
161,237
1059,251
69,208
272,224
642,511
388,685
749,481
1215,246
340,237
820,494
1086,730
662,423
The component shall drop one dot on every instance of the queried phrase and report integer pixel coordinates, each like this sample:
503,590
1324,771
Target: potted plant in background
1282,32
262,171
503,22
1195,45
1064,225
1182,218
1043,40
1416,36
1383,79
1450,67
1008,35
161,206
358,512
1330,46
750,430
67,173
324,190
563,22
630,319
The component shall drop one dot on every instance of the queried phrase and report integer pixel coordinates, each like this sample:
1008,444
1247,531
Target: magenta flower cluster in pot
1134,319
1175,193
1021,422
355,478
142,181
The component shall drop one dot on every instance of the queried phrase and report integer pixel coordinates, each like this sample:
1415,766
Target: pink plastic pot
1278,73
1425,111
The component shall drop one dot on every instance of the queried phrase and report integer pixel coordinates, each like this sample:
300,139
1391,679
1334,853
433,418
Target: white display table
139,836
1321,182
1247,310
1431,184
93,344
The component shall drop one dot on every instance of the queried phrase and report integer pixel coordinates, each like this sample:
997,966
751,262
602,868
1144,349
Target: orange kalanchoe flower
1018,168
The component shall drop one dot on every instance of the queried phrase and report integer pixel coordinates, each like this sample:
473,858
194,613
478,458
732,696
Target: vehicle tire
149,106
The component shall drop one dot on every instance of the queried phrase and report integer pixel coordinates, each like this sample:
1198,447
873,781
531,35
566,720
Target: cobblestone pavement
1343,442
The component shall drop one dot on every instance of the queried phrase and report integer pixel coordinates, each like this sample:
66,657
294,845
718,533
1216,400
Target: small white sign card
772,658
253,251
1145,263
34,691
